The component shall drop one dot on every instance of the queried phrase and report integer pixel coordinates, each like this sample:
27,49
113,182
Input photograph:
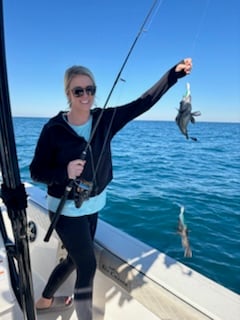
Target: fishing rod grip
62,202
58,211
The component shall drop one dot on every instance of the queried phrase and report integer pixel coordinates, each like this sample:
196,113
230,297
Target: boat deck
133,280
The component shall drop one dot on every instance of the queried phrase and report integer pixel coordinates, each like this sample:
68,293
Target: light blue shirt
93,204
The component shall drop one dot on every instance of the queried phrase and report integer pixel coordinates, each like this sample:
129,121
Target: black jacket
58,143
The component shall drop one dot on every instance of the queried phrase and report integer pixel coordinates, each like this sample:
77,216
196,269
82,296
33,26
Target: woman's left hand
185,65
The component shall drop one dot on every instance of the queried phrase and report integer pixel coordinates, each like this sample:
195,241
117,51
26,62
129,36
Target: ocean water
156,171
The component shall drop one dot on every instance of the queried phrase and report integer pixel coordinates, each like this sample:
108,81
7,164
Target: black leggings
77,234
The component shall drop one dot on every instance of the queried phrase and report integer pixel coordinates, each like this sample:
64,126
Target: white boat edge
133,279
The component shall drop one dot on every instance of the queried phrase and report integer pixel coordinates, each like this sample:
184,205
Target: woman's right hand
75,168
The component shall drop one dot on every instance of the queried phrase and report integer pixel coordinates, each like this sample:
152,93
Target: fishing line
200,26
119,93
153,15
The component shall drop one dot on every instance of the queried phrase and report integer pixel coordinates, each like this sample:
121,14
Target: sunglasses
79,91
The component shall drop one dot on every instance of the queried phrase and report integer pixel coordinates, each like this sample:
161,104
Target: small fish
185,114
183,231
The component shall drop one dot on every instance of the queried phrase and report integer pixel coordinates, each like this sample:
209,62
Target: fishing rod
119,74
14,196
84,152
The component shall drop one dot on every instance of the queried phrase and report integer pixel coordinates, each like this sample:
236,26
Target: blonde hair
73,71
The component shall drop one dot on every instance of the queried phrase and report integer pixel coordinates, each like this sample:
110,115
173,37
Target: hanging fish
185,113
183,232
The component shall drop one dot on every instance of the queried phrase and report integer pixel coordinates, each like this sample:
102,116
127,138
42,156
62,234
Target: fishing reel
82,190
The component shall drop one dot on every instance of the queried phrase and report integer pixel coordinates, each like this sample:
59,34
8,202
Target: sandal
58,304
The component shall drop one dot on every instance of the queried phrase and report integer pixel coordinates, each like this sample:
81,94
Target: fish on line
183,232
185,114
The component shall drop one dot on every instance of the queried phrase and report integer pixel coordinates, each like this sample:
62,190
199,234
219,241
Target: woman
75,146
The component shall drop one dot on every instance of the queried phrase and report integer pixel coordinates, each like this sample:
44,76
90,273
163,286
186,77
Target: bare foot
43,303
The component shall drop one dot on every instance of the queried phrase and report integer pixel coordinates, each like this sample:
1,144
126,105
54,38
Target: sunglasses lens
90,90
79,91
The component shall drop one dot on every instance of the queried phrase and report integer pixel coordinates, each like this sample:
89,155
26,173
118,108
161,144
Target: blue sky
45,37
